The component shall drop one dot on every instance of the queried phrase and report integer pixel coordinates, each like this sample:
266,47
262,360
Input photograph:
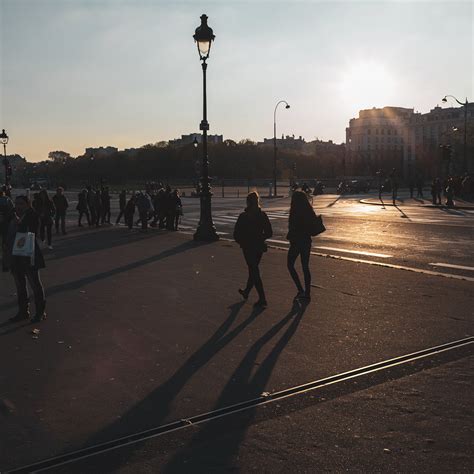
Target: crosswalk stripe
449,265
358,252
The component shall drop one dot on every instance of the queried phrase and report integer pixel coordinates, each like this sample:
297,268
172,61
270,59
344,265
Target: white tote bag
24,245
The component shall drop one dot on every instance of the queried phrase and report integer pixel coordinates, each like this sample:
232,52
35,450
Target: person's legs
22,295
49,227
38,291
293,253
63,222
119,217
56,222
305,252
42,229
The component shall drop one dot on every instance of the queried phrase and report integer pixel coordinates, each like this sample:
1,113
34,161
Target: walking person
46,211
25,268
91,205
144,207
61,205
394,184
438,190
178,208
251,230
105,205
82,207
122,204
97,208
299,235
7,212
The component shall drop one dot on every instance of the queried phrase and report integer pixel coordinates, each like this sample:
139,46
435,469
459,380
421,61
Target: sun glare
367,83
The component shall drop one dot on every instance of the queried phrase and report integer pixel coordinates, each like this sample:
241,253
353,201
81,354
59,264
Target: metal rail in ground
239,407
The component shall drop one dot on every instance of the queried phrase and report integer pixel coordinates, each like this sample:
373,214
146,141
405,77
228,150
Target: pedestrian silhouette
251,230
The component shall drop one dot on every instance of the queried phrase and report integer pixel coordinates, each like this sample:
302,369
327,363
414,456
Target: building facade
189,139
400,138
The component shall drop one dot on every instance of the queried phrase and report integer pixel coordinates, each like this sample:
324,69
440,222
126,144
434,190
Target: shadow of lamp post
206,230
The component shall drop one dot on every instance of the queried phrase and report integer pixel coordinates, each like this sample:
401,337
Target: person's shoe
20,317
38,318
244,294
260,304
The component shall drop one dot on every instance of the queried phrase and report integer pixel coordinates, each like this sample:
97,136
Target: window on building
368,131
383,131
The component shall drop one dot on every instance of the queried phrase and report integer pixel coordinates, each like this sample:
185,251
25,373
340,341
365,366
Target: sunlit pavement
145,329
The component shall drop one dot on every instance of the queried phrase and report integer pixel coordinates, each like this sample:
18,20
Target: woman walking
251,230
299,234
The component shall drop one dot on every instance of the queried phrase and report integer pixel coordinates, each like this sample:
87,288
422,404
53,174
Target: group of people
94,204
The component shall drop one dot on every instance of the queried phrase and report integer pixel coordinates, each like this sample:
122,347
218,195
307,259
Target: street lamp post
206,230
6,163
275,145
465,104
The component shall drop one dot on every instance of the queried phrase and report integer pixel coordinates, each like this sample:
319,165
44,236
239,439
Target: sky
124,73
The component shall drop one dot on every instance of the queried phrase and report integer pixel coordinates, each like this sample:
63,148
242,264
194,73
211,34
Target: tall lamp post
465,104
275,145
6,163
206,230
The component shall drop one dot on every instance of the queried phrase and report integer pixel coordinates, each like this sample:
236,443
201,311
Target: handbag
317,225
24,246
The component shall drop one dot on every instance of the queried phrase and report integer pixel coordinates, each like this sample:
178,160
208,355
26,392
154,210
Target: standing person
129,211
411,186
82,207
105,202
24,268
251,230
433,191
7,212
122,204
91,204
450,192
178,208
299,235
162,201
438,190
97,207
419,187
61,205
144,207
394,184
46,213
170,209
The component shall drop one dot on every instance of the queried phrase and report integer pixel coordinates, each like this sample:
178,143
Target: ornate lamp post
465,104
6,163
275,145
206,230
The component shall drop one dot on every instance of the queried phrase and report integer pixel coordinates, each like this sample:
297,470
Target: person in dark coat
105,202
129,211
178,208
46,211
251,230
122,204
61,205
7,212
22,268
97,208
299,235
82,207
91,205
145,207
170,209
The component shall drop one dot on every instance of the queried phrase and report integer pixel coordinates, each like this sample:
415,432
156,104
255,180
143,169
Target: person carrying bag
23,257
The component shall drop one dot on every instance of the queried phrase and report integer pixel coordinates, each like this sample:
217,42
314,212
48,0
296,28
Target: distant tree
58,156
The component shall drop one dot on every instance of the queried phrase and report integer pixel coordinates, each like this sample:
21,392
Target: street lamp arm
459,102
276,106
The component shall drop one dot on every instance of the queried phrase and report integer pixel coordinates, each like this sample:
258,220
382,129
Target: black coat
299,226
28,223
252,229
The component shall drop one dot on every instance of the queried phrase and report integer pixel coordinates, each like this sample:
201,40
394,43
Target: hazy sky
78,73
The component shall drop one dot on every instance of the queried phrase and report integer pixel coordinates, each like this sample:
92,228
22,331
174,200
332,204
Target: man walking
122,204
61,205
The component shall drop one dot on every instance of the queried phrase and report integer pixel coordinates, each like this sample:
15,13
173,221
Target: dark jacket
28,223
122,200
60,203
252,229
45,209
82,202
299,226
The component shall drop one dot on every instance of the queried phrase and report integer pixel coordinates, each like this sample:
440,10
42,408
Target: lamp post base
206,231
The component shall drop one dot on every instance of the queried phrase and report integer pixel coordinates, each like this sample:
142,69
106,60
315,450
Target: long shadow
76,284
401,212
335,200
155,408
452,212
199,455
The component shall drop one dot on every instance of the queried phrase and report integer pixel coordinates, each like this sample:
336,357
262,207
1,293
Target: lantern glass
3,137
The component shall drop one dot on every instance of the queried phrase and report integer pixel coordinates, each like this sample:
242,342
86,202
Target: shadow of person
215,447
402,214
154,409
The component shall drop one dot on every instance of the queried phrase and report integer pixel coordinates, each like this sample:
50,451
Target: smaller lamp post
465,105
6,163
275,145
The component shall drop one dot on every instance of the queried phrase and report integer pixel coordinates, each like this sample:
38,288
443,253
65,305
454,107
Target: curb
428,206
